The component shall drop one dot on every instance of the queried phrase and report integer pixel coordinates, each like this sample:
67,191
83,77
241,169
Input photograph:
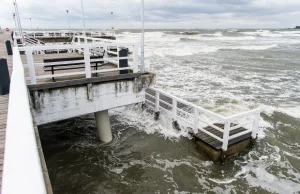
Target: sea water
226,71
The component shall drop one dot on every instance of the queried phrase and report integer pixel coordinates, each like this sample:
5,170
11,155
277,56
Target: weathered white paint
103,126
197,117
63,103
22,171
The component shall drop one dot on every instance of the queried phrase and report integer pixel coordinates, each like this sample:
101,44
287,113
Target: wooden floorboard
216,144
3,102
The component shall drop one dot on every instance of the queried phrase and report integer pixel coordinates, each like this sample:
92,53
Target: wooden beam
44,86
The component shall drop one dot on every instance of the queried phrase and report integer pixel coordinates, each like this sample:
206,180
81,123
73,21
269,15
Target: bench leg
52,70
96,68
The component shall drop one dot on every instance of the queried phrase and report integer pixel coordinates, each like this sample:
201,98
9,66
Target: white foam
292,111
289,33
191,50
253,47
223,38
263,33
291,155
224,181
145,122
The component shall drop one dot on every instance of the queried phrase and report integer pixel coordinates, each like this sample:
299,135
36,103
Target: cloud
158,13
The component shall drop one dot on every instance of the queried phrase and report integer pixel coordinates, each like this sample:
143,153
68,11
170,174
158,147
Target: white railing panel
86,50
199,112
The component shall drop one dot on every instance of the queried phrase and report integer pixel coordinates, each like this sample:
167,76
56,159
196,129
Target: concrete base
103,126
219,155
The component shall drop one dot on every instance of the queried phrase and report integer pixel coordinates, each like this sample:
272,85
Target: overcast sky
158,13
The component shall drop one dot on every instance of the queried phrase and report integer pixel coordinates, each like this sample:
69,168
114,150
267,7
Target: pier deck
3,102
214,143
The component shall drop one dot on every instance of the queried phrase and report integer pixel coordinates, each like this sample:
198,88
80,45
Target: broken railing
198,118
87,50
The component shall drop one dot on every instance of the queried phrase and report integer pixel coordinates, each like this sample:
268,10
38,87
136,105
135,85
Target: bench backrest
69,59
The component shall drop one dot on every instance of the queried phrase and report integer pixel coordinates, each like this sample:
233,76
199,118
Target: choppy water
227,71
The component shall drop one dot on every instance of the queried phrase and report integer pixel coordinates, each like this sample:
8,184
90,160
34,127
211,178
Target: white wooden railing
197,118
87,50
85,40
30,41
22,170
66,33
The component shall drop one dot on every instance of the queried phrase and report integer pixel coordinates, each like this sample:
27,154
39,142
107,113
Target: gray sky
158,13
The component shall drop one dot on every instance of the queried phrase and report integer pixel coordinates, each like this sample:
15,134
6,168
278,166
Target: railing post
135,59
174,110
157,101
226,136
196,120
105,56
31,67
87,62
255,125
15,41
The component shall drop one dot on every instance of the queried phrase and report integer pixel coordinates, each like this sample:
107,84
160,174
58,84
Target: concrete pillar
103,126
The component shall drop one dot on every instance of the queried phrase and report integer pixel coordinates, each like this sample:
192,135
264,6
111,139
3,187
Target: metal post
112,24
30,23
68,21
226,136
16,28
255,125
18,15
83,18
17,18
143,40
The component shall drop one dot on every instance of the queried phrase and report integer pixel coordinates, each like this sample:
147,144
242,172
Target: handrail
190,104
244,114
66,33
21,158
92,38
48,47
199,112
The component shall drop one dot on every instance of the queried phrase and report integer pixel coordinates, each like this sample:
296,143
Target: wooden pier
3,101
90,78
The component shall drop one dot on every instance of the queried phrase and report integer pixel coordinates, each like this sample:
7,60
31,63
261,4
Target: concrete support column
103,126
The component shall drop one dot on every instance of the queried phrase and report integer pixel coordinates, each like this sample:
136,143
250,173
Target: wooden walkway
3,102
